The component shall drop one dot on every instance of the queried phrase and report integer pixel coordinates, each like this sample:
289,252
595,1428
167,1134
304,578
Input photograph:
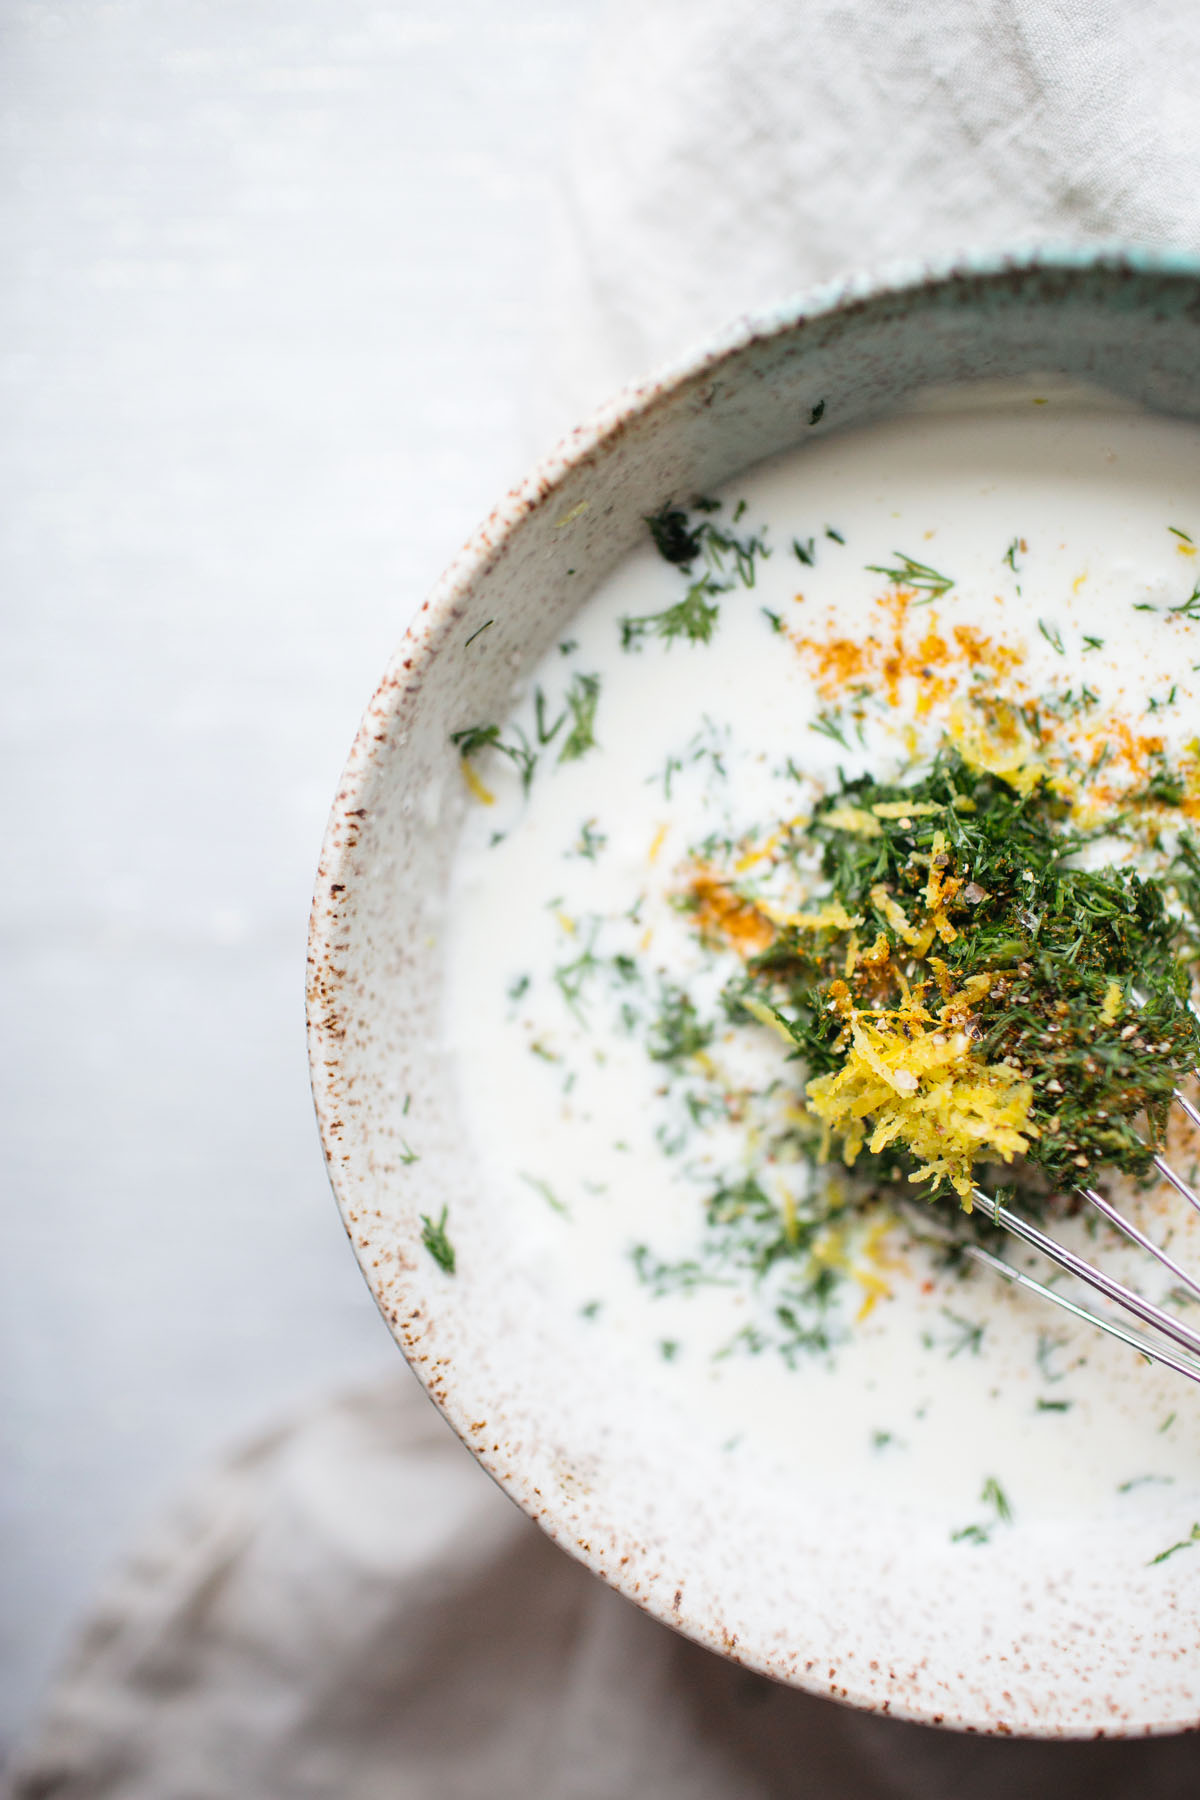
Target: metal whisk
1185,1358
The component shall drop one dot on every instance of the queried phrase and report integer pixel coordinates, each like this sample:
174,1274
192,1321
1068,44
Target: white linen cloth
348,1608
728,156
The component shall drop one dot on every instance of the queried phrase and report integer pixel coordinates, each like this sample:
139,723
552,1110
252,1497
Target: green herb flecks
582,698
433,1236
828,724
546,1192
545,733
749,1237
674,538
677,1031
1192,1538
694,617
916,576
475,739
993,1495
683,541
590,842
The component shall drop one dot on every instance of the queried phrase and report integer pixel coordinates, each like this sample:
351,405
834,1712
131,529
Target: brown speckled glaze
1055,1630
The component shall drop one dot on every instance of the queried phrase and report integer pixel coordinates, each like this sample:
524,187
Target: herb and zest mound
967,990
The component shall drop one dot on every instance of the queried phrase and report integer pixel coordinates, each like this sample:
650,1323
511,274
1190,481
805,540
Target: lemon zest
924,1087
475,787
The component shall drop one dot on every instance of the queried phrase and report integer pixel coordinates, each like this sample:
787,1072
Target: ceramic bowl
1060,1631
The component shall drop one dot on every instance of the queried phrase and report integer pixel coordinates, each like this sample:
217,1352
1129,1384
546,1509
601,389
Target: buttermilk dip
825,616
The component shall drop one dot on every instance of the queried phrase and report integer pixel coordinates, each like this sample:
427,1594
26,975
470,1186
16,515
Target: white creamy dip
1068,526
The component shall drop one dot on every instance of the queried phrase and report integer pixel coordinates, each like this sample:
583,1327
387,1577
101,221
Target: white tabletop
269,311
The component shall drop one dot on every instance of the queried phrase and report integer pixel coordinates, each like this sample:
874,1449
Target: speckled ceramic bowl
1056,1631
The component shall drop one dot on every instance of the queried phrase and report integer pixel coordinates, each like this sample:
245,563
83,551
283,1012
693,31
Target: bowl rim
422,640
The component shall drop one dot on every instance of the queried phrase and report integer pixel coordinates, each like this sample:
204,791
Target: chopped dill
433,1236
680,541
993,1495
835,535
916,576
1092,643
968,1335
545,733
1193,1537
484,627
408,1156
773,619
1190,608
582,698
590,841
694,618
571,978
817,413
476,738
673,539
971,1534
546,1191
805,552
1053,636
826,723
677,1032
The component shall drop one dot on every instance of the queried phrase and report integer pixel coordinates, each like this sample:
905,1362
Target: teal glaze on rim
1060,1629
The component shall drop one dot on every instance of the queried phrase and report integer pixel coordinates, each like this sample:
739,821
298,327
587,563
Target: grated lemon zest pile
915,1080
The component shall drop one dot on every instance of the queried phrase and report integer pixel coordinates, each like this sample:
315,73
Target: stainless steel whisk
1185,1357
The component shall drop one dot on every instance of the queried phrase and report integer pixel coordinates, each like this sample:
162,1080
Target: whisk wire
1175,1330
1183,1365
1096,1278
